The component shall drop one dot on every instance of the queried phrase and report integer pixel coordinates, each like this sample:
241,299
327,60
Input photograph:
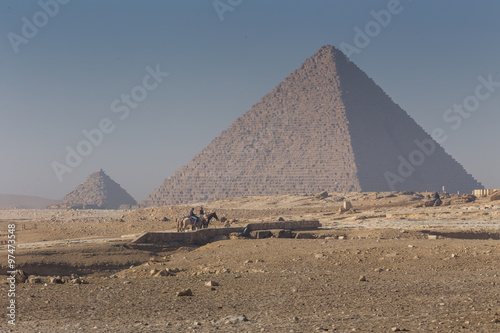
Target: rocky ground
372,269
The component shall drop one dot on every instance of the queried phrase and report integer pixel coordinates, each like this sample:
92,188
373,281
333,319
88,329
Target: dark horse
206,221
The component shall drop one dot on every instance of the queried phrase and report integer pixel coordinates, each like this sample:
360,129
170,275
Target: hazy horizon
194,69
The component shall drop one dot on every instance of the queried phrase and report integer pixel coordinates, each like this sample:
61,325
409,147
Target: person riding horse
192,220
193,216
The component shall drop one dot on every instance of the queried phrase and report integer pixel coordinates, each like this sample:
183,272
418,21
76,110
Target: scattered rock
322,195
78,281
211,284
495,196
281,219
56,280
154,259
34,279
281,233
21,276
233,319
468,198
163,272
304,235
363,278
260,234
186,292
347,205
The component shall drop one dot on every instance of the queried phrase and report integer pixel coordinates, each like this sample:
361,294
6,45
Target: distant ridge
327,126
98,191
25,201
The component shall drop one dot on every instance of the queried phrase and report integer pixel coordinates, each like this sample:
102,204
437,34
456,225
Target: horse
188,221
206,220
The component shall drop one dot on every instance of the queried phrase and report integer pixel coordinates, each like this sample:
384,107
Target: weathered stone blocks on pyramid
327,126
98,191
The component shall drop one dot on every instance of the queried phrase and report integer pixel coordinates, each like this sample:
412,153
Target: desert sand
388,265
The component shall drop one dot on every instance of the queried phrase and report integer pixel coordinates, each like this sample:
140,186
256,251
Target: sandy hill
25,201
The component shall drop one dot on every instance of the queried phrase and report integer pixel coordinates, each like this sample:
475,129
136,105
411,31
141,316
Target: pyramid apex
327,54
328,49
99,172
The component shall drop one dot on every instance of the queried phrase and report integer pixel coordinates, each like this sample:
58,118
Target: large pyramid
327,126
98,191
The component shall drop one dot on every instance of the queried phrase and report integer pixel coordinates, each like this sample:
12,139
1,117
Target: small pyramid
99,191
327,126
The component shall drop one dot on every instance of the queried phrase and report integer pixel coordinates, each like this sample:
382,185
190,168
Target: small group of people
194,216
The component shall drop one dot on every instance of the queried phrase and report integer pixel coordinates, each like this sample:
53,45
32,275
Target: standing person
202,212
437,199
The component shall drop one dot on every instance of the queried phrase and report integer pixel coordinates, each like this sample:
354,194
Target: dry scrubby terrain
371,270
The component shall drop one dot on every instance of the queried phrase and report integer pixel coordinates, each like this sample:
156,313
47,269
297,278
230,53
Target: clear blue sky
63,78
